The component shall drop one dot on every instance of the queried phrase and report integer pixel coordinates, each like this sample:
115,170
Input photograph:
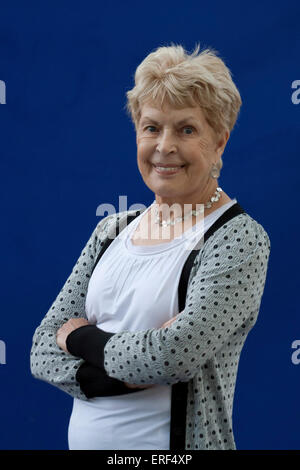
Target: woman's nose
166,142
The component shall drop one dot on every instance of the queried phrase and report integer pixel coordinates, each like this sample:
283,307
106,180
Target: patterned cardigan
199,350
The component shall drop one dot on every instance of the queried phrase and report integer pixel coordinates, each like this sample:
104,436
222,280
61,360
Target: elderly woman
146,333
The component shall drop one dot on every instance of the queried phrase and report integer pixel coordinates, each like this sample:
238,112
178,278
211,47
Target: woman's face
172,137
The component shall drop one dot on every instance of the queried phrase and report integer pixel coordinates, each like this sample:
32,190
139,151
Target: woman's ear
221,142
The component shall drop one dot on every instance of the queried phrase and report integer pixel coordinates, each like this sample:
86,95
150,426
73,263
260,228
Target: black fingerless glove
88,342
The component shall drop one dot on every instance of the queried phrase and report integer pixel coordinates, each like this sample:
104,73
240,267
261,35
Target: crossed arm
93,379
222,299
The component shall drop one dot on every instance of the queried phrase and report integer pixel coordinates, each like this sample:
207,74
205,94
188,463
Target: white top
133,288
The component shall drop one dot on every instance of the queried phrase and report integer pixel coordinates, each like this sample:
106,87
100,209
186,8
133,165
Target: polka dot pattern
202,347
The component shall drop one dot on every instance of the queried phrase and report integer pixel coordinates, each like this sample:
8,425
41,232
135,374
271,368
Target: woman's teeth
161,168
167,169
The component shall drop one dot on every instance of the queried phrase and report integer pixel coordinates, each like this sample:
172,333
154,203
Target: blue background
67,146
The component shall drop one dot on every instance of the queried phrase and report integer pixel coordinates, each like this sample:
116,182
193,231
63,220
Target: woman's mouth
166,171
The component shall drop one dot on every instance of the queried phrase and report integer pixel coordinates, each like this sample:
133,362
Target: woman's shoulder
251,227
242,231
239,244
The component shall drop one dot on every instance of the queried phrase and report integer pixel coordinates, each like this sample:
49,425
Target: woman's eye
146,128
188,127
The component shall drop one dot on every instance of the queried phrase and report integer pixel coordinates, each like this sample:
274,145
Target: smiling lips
167,170
168,165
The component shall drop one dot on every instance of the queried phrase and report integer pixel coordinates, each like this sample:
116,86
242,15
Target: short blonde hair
170,74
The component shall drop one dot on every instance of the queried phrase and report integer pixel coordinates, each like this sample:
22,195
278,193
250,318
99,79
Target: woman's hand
66,329
169,322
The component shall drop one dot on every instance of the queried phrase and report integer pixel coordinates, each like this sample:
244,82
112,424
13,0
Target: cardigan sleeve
223,299
47,361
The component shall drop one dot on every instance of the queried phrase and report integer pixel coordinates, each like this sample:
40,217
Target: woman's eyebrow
147,118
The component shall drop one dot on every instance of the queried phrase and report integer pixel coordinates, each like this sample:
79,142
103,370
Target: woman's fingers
66,329
169,322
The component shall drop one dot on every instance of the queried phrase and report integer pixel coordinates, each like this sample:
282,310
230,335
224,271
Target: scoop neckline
158,248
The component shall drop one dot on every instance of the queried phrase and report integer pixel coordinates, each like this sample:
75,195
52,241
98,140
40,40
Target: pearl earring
215,172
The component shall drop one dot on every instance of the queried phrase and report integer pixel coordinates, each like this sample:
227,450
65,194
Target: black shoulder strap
180,389
233,211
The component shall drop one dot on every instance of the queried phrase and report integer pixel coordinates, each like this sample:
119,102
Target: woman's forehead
156,112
